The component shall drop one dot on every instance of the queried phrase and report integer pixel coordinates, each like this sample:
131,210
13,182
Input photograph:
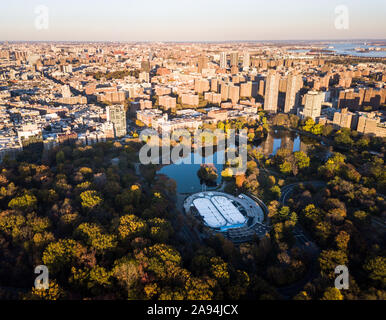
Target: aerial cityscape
169,168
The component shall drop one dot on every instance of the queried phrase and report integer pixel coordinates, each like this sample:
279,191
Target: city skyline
190,21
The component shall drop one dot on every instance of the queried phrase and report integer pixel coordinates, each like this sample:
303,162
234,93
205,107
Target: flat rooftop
209,213
218,211
228,210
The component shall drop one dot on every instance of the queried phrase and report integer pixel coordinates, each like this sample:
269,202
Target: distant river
349,49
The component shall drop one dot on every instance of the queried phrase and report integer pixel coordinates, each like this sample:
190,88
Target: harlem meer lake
185,175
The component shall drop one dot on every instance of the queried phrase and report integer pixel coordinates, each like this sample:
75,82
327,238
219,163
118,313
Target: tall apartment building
313,104
224,90
167,102
190,99
294,84
272,92
234,94
234,59
66,92
370,123
202,63
343,119
283,85
261,87
201,85
246,60
223,60
214,85
355,100
246,89
213,97
117,116
112,97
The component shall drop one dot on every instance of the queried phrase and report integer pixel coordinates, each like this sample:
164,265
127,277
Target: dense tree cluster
105,232
207,173
121,74
108,227
339,218
343,218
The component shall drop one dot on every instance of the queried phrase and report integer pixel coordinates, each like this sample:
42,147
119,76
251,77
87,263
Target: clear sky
191,20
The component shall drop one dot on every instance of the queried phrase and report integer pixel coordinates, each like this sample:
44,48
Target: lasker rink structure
238,218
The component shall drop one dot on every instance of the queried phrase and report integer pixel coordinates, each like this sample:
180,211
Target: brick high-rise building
368,123
234,59
201,85
234,94
246,60
313,104
294,84
214,98
214,85
272,92
167,102
224,91
261,88
223,60
246,89
363,98
190,99
343,119
202,63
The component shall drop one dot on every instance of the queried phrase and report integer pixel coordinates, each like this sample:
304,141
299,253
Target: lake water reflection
186,177
284,139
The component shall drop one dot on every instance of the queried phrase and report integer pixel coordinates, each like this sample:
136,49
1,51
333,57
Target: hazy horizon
191,21
273,41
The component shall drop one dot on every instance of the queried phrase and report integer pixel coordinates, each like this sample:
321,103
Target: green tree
302,160
54,292
329,260
332,294
26,202
131,226
93,236
90,199
308,125
60,157
219,269
275,191
286,167
376,267
342,137
62,255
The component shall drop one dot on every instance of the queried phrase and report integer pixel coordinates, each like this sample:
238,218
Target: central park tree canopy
107,230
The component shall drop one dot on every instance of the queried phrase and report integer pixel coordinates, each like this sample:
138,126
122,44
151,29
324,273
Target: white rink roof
210,214
218,211
228,210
